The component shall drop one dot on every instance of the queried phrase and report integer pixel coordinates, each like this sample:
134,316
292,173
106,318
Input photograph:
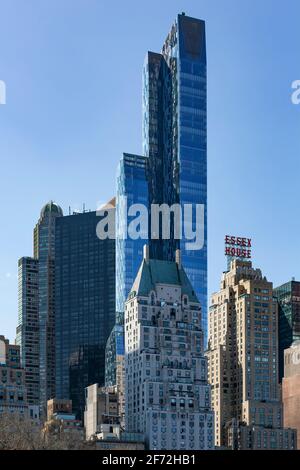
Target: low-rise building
60,416
102,407
13,395
103,421
112,437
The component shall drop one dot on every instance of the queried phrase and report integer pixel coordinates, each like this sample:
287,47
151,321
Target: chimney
146,253
178,258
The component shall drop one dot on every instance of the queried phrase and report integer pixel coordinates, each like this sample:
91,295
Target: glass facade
132,188
175,139
44,252
114,351
85,305
288,297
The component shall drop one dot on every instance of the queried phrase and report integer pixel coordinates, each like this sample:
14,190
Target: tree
20,433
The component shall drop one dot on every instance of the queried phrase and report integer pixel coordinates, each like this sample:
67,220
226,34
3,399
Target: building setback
84,305
167,397
28,326
243,362
291,389
288,297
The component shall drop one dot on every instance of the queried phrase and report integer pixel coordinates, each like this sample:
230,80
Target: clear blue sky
73,75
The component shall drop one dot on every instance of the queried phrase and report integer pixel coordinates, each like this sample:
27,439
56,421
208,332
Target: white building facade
167,396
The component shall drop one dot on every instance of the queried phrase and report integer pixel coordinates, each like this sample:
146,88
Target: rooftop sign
238,247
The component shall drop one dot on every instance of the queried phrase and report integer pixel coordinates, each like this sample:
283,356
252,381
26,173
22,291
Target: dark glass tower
288,297
85,305
175,140
44,252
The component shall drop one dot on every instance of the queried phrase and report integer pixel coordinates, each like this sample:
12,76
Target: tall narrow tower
28,326
44,252
175,142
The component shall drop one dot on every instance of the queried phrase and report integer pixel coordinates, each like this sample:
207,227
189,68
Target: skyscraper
167,396
288,297
84,304
175,141
132,188
44,252
243,362
28,326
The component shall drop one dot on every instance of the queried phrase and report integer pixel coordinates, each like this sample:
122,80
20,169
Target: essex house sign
238,247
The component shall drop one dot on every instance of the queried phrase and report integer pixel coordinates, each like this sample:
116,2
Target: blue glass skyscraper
175,139
132,188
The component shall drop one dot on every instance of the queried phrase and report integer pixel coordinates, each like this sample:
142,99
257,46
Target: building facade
243,362
28,326
115,363
288,297
84,305
101,407
167,397
13,396
103,420
60,416
44,252
291,389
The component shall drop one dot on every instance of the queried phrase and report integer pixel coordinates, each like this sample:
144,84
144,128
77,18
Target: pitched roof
153,272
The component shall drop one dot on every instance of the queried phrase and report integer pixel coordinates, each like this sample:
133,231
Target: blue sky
73,71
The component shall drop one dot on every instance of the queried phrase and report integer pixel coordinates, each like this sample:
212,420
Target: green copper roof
51,207
154,272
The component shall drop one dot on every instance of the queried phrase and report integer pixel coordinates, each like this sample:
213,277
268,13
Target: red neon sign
238,247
